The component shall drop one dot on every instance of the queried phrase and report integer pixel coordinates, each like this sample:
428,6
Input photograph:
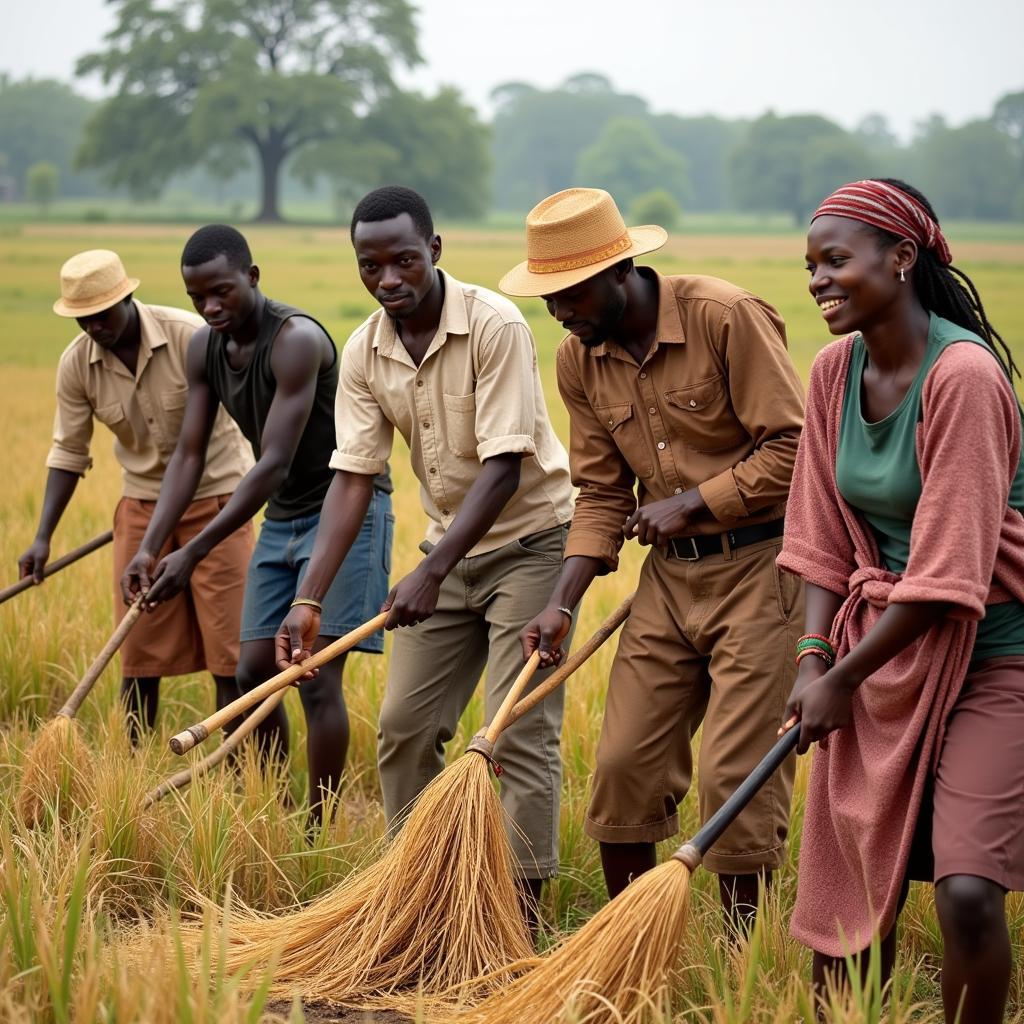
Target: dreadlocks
946,290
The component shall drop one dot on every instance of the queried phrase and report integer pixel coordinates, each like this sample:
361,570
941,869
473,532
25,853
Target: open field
65,891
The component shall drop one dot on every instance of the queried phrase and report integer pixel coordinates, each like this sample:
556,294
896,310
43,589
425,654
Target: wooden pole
57,564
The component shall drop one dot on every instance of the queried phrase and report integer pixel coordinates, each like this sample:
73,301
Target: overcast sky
904,58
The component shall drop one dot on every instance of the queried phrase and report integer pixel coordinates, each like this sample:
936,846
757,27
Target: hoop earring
903,277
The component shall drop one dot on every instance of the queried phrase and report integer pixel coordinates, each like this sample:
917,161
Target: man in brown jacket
685,413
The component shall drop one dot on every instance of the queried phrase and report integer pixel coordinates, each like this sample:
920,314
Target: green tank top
877,473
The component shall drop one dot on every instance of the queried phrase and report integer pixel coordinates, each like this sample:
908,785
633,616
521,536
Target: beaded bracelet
818,641
818,652
307,601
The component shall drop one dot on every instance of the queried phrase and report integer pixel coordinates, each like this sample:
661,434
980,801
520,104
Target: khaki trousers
435,666
711,641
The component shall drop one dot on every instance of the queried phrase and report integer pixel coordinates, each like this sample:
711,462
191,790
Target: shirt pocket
460,424
627,435
702,415
113,416
172,413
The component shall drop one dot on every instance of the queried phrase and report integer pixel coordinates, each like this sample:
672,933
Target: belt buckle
693,547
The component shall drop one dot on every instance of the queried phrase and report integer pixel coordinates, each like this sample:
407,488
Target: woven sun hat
573,235
91,282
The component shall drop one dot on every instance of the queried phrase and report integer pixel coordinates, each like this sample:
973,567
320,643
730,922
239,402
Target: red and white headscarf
886,207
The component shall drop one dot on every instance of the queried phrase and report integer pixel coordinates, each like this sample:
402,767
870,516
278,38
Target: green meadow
71,891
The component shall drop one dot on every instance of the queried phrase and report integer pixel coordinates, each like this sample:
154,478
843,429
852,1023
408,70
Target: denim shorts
279,563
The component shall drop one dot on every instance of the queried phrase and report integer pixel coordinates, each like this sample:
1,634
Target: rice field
88,903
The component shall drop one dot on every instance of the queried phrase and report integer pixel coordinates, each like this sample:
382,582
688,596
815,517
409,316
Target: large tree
213,82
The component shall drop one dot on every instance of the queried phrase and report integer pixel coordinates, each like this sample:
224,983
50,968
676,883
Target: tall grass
87,901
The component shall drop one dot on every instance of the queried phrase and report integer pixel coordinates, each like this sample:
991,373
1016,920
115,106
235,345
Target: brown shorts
198,629
710,641
972,822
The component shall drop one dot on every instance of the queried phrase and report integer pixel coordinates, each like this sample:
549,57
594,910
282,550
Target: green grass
72,895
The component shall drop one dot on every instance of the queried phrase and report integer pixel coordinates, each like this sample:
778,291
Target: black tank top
247,395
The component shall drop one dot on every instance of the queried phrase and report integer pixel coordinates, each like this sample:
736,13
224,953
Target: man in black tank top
275,371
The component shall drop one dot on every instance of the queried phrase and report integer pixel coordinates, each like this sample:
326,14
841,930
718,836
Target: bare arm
183,473
295,362
60,486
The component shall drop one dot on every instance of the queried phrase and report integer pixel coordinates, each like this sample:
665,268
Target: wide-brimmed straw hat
91,282
573,235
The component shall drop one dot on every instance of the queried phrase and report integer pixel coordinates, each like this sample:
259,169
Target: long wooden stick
501,719
186,740
56,565
580,655
188,775
95,670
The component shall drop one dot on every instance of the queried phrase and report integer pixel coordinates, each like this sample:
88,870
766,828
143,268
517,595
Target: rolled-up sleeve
505,404
72,424
767,398
364,434
604,478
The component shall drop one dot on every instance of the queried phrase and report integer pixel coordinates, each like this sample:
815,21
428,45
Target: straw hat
573,235
91,282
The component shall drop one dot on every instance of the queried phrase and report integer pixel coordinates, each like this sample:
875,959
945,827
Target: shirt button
445,512
661,445
693,404
433,469
652,410
419,383
678,490
426,424
643,376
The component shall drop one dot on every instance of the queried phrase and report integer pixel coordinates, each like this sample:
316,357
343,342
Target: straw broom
617,968
440,908
58,760
56,565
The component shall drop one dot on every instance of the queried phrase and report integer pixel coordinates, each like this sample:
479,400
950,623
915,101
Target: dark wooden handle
692,852
57,564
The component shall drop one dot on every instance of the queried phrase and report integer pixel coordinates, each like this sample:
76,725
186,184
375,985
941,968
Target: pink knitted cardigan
966,548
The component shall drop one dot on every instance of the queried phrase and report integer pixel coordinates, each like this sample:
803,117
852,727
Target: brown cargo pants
711,641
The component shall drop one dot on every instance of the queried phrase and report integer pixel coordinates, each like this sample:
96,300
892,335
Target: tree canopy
203,81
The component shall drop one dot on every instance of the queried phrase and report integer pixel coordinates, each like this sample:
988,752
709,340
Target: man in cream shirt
454,368
127,369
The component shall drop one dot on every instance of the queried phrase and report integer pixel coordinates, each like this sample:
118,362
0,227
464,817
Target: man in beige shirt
685,413
454,368
127,370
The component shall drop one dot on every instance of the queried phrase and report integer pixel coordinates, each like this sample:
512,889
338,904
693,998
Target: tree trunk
271,158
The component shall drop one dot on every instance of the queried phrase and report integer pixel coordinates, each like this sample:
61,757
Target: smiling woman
911,416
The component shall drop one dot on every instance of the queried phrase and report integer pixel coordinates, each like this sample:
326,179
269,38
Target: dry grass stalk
58,762
615,970
179,780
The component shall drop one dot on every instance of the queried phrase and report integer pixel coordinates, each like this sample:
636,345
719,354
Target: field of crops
69,891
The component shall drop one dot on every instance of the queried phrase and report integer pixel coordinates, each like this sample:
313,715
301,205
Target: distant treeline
659,166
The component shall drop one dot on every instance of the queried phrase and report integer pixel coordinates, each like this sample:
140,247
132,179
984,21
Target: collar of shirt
150,339
454,320
670,324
